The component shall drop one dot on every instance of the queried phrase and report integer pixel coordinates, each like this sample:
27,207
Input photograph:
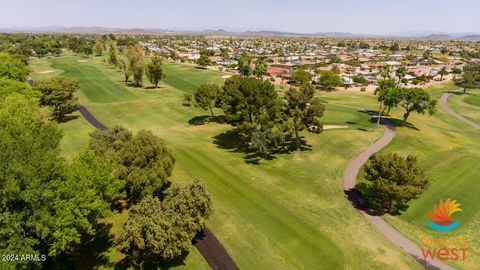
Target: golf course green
289,212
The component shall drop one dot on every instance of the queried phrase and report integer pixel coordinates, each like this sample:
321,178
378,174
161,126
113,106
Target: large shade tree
254,108
158,231
59,93
415,100
392,181
250,104
83,198
144,160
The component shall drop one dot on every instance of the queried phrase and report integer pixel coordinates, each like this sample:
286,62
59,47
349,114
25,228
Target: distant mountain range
221,32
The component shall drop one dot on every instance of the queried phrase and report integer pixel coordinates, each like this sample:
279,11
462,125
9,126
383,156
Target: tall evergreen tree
304,110
392,180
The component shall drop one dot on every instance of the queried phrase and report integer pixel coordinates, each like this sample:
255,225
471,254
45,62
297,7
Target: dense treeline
55,208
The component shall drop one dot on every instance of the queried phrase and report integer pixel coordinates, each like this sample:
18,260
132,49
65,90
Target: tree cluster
133,64
391,95
47,206
56,208
263,118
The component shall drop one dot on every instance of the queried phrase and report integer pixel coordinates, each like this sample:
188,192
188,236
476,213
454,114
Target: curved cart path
349,181
205,241
443,105
89,117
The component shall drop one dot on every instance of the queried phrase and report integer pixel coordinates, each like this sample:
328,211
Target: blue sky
306,16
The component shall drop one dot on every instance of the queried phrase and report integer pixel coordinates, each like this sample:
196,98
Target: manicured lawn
95,86
467,105
188,78
449,151
473,98
285,213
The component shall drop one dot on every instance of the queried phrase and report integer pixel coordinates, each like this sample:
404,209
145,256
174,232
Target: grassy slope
286,213
467,105
449,151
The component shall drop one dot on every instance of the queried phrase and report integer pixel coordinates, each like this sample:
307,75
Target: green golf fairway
285,213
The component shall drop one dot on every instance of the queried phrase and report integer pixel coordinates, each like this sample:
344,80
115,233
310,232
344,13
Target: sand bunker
226,76
46,71
82,61
333,126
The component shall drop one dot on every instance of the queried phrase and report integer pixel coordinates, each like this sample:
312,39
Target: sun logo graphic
440,219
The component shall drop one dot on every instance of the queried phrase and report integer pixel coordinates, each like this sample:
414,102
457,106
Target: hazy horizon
373,17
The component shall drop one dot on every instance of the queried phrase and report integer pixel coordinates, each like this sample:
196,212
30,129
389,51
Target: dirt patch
46,71
333,126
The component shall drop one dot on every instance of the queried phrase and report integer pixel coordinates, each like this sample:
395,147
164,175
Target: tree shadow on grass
424,263
151,87
205,119
133,84
361,202
68,118
396,122
233,141
460,93
90,254
230,140
152,263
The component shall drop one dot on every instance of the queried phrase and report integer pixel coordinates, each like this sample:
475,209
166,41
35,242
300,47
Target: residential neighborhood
426,61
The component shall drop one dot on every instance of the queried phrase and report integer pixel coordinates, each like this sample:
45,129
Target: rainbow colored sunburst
441,217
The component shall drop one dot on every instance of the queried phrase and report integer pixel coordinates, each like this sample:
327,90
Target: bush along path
205,241
349,182
443,105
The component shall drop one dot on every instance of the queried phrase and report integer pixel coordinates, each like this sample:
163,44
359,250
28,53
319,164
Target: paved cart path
349,181
443,105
